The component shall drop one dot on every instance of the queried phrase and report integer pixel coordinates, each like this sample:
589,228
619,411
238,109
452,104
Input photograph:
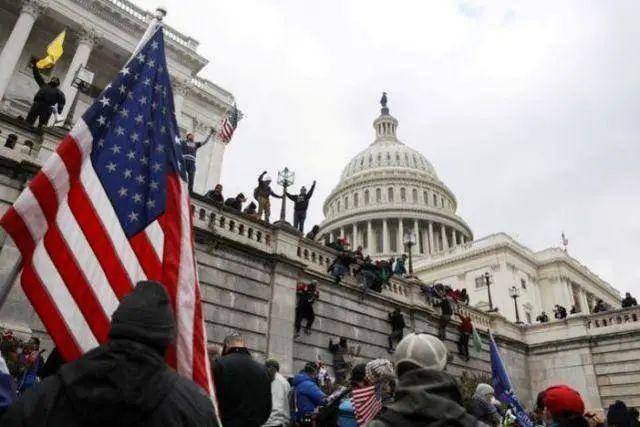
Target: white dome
388,190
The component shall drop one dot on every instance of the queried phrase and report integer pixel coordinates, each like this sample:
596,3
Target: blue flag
502,385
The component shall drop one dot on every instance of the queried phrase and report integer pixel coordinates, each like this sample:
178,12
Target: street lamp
487,281
82,80
410,241
515,294
286,178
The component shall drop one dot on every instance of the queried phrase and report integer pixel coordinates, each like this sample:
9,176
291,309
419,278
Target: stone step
615,368
622,378
621,356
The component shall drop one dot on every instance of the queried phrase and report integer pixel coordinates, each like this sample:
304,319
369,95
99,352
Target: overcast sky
529,110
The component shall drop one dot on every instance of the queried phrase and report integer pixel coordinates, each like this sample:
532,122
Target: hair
55,82
358,373
234,339
570,419
310,368
272,363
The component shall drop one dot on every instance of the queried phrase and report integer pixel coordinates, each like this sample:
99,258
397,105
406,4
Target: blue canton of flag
502,385
135,136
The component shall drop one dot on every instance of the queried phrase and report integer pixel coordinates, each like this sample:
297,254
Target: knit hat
561,400
618,414
483,390
422,350
379,370
145,316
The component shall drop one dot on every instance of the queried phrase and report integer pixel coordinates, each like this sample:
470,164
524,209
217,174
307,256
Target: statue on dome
383,100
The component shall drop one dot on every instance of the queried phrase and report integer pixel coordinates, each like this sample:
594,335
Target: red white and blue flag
367,403
229,124
109,208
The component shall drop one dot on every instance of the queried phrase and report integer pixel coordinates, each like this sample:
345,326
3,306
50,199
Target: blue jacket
308,395
347,414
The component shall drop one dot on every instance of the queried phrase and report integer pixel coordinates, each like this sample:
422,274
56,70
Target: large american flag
229,124
109,208
367,403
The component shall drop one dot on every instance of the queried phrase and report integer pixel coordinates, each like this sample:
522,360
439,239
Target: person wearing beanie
243,386
618,415
481,405
123,382
235,203
564,406
262,193
426,395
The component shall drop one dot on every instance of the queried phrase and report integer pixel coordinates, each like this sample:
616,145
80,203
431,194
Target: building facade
389,191
101,35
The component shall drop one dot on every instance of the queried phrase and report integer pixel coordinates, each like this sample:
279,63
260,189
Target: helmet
266,178
423,350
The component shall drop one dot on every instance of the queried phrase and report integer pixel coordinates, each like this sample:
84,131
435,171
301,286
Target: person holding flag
189,151
54,52
110,208
502,385
48,97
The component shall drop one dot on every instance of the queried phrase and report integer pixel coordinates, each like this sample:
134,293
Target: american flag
109,208
367,403
229,124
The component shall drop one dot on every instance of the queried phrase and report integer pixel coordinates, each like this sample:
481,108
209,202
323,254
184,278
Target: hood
429,394
123,377
145,316
483,391
300,378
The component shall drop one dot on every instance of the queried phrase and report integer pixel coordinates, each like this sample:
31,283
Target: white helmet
266,178
423,350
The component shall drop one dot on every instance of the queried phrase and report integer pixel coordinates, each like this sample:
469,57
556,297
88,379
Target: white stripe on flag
156,237
31,213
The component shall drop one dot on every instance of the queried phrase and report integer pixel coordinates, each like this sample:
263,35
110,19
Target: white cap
423,350
266,178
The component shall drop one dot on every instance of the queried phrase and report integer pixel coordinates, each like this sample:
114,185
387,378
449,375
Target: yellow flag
54,52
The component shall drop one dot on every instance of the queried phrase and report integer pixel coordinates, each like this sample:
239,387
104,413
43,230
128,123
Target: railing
145,17
28,140
614,319
479,318
212,89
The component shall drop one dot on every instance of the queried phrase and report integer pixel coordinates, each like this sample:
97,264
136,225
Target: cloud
528,110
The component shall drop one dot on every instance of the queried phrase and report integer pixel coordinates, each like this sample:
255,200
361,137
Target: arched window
378,195
366,197
346,202
403,194
435,202
414,195
338,206
390,194
355,200
425,195
442,201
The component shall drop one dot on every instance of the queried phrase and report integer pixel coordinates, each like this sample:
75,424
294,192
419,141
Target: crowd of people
560,312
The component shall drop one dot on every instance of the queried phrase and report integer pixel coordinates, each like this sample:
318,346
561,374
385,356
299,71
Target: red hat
562,399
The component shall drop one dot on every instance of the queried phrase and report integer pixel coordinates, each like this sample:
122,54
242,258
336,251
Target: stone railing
212,89
145,16
480,319
614,319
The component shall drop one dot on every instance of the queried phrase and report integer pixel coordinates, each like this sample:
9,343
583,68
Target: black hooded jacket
48,94
426,397
124,382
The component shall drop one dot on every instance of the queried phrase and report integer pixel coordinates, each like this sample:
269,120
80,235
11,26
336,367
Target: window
442,201
425,196
366,197
338,206
403,194
414,195
480,282
378,195
523,284
435,200
390,194
355,200
528,316
346,202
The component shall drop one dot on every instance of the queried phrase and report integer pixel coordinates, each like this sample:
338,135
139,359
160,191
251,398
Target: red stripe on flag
200,375
70,153
77,284
14,225
49,314
170,224
99,240
151,264
45,193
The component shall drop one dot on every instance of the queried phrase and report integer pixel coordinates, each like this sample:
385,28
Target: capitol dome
389,191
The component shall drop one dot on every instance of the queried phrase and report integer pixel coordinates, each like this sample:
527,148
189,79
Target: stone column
432,249
461,238
355,235
181,89
454,235
443,234
10,55
584,304
416,231
400,237
342,232
87,39
370,245
385,237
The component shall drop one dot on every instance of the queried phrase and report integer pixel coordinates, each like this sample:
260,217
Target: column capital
88,35
34,7
181,86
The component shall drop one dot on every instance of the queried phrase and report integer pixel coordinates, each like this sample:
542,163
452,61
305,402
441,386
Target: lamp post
286,178
82,81
410,241
487,281
515,294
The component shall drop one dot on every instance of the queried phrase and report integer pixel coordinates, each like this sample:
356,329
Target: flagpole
155,23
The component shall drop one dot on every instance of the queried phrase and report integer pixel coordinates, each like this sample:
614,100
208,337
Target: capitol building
389,197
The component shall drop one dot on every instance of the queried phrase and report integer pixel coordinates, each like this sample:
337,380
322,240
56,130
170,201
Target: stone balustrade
610,320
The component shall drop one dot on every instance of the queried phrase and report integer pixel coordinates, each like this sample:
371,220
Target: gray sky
529,110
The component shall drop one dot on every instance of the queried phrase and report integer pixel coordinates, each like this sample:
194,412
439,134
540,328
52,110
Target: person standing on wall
189,151
300,206
262,193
